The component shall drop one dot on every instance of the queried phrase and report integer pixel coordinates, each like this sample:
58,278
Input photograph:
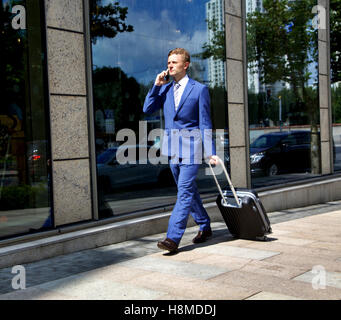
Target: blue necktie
176,95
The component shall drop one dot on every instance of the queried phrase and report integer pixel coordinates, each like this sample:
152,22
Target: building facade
73,85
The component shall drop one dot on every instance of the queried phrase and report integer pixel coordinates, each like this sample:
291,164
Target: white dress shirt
178,94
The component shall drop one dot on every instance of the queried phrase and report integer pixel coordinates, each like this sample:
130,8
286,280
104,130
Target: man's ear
187,65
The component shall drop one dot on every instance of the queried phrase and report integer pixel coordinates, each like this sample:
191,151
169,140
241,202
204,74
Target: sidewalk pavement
301,260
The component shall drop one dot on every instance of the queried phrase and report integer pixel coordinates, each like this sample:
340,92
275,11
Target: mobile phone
167,76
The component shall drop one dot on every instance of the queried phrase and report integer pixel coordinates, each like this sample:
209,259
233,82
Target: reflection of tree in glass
335,58
13,46
335,39
336,103
282,53
216,48
107,20
114,90
13,86
281,45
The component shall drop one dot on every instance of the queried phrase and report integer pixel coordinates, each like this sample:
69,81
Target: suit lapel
187,91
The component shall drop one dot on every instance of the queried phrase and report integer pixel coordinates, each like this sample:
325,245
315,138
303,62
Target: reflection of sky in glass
159,26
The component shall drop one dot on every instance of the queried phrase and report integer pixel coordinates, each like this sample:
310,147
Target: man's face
177,66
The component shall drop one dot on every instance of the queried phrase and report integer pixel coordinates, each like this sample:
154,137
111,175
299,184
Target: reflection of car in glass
37,159
279,152
221,141
112,174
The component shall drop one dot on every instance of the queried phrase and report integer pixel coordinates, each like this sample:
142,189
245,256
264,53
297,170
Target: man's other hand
214,160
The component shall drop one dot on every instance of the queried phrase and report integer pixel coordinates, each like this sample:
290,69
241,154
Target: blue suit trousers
188,202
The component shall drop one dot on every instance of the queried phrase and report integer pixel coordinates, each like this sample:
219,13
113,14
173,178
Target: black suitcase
242,211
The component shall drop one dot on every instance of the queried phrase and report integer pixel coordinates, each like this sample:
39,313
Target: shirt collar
183,81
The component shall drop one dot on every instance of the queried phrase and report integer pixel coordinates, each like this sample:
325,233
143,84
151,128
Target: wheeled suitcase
242,211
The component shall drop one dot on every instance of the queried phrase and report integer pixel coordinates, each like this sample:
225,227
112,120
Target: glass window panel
25,178
127,56
335,54
282,91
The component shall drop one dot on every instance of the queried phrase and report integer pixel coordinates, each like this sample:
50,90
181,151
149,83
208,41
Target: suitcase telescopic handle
229,181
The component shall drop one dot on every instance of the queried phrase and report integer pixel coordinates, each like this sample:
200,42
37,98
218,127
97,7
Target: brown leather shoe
202,236
168,244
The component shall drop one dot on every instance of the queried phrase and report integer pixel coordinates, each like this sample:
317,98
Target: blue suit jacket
188,128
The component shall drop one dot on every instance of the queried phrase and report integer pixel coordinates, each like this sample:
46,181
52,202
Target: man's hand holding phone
162,78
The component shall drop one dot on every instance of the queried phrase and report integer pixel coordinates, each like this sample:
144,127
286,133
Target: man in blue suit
188,126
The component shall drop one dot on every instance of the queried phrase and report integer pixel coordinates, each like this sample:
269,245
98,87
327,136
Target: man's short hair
181,51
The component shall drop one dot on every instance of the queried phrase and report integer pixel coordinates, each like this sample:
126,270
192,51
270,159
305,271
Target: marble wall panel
235,83
65,14
233,7
238,166
66,62
69,127
234,46
72,191
236,125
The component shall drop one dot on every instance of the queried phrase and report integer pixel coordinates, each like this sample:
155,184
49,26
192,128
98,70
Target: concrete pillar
236,68
68,111
327,163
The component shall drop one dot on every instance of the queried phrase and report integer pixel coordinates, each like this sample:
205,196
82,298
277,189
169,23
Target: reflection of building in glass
216,68
254,5
254,83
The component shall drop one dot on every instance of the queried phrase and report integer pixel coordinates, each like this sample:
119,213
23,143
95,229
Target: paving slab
79,287
312,236
306,262
313,228
193,289
273,269
296,249
177,268
326,245
241,252
269,283
217,260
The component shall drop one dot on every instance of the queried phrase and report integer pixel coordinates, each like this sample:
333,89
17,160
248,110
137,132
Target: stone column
327,163
236,66
68,111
